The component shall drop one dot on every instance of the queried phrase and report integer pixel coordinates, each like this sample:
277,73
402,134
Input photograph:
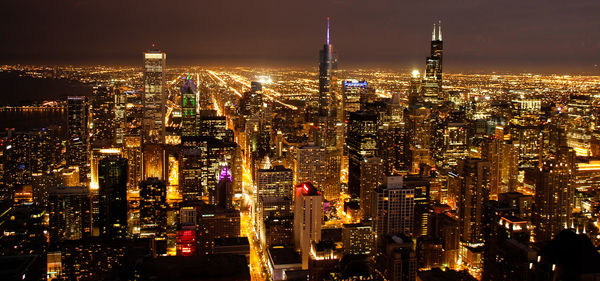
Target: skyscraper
188,108
555,186
393,208
474,177
362,143
326,65
432,82
153,123
70,213
224,189
308,216
77,130
112,182
153,208
102,116
352,94
273,215
310,165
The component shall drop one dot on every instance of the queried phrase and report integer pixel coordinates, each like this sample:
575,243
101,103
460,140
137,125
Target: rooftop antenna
433,33
440,31
327,30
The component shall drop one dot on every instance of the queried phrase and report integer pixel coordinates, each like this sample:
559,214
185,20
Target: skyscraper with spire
432,82
326,62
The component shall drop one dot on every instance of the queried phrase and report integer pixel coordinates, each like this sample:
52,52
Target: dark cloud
478,35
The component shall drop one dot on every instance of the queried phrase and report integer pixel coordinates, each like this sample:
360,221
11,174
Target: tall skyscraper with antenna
326,61
432,82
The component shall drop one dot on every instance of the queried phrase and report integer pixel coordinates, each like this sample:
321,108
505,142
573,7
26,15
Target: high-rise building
102,116
372,176
224,189
275,182
357,239
273,210
189,108
432,82
554,188
202,161
153,208
310,165
308,216
153,123
120,116
326,66
70,213
474,177
393,208
396,257
362,143
473,191
112,192
77,130
352,94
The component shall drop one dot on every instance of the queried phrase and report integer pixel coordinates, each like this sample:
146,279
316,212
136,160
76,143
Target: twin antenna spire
439,35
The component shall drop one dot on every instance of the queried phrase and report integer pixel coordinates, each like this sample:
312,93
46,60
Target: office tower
202,161
326,66
310,165
189,108
120,114
474,177
554,188
473,190
308,216
393,208
444,227
275,182
211,125
421,184
112,192
396,258
102,116
153,101
70,213
357,239
132,151
525,130
77,130
211,222
362,143
391,138
503,159
274,221
224,190
352,94
454,130
432,82
419,137
273,210
153,208
372,175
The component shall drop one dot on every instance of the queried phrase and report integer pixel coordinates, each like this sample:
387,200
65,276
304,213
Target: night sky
479,35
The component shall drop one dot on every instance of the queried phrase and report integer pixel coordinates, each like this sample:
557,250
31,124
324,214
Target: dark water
17,89
27,120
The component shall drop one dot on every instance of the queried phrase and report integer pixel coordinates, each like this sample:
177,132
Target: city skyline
159,171
485,37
